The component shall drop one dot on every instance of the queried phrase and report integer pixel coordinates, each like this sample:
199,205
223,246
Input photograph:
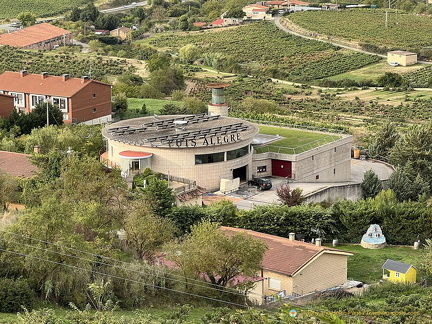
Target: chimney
291,236
84,79
44,75
23,73
318,242
65,77
36,149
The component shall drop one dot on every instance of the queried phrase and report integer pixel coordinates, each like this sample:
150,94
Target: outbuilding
399,272
402,58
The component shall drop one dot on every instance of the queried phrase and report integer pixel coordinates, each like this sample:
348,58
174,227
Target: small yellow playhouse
399,272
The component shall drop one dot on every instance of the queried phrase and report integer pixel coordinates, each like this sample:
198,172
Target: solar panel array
161,124
169,123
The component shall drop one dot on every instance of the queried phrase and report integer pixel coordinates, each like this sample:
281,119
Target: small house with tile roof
399,272
17,164
295,268
122,33
80,99
402,58
6,105
42,36
257,12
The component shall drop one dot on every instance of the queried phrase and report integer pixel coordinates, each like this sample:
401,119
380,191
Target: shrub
14,294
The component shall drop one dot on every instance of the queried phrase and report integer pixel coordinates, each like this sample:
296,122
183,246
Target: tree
158,61
384,141
288,196
193,105
145,231
159,195
189,53
89,12
8,190
209,251
27,18
406,186
120,105
171,109
75,14
371,184
258,105
235,13
390,79
168,79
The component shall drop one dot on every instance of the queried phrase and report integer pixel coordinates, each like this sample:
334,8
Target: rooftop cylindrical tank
218,96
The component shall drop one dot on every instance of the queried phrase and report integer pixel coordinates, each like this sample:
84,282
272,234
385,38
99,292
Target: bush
14,294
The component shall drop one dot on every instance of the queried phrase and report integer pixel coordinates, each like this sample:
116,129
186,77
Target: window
312,157
94,110
317,177
35,100
334,171
274,284
235,154
262,169
335,149
397,274
209,158
19,98
94,95
61,103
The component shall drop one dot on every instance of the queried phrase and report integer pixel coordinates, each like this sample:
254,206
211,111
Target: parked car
393,63
260,183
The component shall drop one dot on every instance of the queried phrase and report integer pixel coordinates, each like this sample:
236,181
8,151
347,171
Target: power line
198,283
126,279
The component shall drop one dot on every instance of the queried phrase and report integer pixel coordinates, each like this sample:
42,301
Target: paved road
269,197
279,25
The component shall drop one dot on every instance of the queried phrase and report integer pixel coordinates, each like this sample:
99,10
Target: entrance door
281,168
135,166
240,173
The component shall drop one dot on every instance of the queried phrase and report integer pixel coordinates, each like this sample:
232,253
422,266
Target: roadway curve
283,28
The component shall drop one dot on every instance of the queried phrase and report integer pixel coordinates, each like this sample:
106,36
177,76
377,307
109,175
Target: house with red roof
17,164
39,37
6,105
295,268
257,12
80,99
122,33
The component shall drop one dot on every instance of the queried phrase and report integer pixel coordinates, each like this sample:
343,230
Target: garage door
281,168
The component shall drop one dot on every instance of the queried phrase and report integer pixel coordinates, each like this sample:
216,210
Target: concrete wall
336,192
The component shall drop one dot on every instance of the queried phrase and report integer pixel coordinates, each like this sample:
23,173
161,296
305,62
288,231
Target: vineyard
11,9
350,24
419,79
262,49
12,59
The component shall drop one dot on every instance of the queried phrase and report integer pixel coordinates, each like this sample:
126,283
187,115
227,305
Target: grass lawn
294,140
365,264
153,106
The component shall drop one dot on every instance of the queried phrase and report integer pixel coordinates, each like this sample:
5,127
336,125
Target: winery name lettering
206,141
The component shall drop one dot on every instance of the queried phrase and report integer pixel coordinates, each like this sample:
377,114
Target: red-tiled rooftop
217,22
135,154
17,164
256,6
32,35
36,84
283,255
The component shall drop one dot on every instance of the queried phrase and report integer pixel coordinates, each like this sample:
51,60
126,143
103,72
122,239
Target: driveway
251,197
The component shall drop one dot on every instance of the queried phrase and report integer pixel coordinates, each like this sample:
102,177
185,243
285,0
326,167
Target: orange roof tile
17,164
32,35
199,24
217,22
285,256
296,3
274,2
256,6
34,83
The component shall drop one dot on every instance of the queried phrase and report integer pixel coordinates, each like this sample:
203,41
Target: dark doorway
240,173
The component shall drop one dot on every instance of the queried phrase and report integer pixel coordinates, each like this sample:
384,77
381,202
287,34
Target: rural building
6,105
399,272
217,151
122,33
224,22
257,12
42,36
17,164
402,58
295,268
80,99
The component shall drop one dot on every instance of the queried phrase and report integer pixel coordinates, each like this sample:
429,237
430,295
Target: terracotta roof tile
217,22
32,35
17,164
34,83
282,255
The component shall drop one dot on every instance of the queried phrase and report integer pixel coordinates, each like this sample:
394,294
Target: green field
11,9
261,48
153,106
295,141
365,265
350,25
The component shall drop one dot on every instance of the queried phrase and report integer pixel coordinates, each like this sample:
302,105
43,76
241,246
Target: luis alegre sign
206,141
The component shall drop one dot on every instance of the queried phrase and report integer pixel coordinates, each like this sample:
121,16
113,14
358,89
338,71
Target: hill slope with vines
262,49
11,9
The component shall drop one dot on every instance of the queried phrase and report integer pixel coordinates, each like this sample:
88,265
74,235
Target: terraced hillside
11,9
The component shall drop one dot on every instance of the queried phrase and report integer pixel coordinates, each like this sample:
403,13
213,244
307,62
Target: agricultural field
350,25
262,49
11,9
55,63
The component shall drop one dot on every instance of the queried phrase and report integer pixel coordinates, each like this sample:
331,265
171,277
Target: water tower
218,106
